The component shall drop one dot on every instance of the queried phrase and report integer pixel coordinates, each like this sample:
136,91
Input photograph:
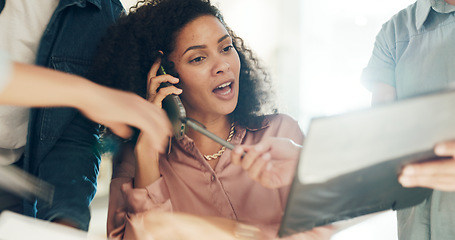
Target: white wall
315,50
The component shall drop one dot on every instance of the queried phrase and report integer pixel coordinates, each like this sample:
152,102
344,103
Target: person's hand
147,159
155,96
271,162
438,174
118,110
154,80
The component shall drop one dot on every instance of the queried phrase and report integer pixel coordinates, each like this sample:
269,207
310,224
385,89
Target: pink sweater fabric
188,184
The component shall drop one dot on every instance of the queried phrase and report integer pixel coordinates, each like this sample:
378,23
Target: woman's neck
451,2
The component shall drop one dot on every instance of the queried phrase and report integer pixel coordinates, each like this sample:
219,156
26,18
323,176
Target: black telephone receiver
174,109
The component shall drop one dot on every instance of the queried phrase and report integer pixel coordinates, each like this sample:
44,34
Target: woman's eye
196,60
228,48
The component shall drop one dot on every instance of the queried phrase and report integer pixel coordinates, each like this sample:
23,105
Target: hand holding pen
271,162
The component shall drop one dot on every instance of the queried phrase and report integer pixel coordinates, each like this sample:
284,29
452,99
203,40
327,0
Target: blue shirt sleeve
381,67
5,69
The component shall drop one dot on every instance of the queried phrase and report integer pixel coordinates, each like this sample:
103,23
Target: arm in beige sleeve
41,87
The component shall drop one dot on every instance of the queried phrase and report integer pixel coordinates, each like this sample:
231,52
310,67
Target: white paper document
341,144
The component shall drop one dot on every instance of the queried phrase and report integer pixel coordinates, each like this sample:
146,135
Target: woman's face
208,67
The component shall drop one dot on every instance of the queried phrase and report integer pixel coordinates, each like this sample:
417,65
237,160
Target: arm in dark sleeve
72,166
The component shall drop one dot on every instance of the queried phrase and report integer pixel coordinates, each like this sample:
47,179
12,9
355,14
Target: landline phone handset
177,115
174,109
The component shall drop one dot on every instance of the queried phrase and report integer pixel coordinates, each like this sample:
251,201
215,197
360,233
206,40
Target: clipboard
349,164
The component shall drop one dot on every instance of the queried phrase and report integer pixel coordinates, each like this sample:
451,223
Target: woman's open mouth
223,89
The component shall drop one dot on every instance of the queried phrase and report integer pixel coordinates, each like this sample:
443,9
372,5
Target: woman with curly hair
222,86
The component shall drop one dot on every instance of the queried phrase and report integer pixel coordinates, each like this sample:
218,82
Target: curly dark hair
131,46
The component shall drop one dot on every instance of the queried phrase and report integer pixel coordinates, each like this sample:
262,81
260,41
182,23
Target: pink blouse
188,184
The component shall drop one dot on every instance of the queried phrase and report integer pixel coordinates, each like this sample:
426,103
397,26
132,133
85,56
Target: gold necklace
219,153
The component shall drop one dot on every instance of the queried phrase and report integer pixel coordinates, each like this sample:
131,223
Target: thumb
445,149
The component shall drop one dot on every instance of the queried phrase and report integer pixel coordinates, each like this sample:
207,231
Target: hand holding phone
174,109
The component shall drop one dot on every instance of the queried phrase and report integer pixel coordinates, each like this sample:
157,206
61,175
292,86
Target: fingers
159,130
445,166
445,149
270,162
258,166
438,175
251,158
239,152
441,182
154,69
151,86
252,155
152,121
154,81
236,154
128,109
164,92
277,174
